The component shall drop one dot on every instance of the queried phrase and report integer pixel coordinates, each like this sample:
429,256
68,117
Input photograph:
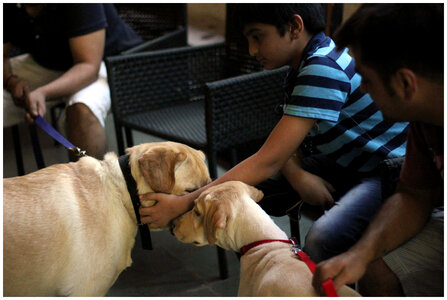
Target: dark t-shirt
46,36
424,161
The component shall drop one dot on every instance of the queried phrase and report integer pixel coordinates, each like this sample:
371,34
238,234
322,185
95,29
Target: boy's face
268,47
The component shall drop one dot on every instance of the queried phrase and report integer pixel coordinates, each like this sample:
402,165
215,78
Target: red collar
328,285
254,244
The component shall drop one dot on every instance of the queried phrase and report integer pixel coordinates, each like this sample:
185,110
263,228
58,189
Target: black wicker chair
161,26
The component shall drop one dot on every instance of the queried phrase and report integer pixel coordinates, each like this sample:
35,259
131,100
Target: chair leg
17,150
221,255
36,147
129,136
223,265
295,228
119,138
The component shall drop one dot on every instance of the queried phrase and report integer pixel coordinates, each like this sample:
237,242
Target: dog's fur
69,229
266,270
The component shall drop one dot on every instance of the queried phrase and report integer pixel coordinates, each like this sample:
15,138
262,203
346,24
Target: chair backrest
241,109
156,79
152,20
238,59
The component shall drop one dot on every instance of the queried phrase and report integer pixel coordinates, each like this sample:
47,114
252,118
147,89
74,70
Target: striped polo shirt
350,129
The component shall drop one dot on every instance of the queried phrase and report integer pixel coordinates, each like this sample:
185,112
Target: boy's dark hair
391,36
279,15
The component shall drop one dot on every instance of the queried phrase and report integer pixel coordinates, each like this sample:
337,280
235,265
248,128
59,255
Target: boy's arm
283,141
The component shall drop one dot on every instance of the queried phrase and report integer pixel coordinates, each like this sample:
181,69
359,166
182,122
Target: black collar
132,189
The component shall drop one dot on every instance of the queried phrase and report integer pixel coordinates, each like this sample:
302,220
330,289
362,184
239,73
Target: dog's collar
132,189
327,285
257,243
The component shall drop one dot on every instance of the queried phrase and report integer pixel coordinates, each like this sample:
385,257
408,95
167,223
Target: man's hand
166,208
19,90
345,268
35,104
314,190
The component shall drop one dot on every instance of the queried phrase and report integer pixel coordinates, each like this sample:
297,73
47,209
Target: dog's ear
215,219
254,193
158,167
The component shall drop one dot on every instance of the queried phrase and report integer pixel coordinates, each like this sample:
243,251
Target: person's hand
35,104
314,190
166,208
345,268
19,90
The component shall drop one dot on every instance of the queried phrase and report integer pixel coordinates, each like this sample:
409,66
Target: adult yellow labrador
69,229
269,269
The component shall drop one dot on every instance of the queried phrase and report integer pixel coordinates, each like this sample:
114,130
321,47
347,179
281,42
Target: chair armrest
176,38
389,170
242,109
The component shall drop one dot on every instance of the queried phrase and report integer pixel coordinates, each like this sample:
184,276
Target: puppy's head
210,221
168,167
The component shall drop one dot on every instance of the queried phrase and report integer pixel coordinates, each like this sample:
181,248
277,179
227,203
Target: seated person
402,250
65,45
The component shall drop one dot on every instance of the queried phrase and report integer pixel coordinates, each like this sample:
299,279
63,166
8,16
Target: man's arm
11,82
401,217
87,52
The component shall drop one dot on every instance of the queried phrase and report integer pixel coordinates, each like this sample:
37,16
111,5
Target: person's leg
380,281
341,226
85,131
85,117
418,264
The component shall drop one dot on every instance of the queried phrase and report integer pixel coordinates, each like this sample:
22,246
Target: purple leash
58,137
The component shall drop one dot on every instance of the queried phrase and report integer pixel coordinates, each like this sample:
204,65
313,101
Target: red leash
328,285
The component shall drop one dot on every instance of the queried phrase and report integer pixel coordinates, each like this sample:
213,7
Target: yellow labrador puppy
69,229
269,269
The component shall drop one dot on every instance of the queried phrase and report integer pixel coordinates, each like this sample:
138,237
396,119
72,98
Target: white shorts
419,263
96,96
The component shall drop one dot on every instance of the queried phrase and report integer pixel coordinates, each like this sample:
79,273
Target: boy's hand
166,208
314,190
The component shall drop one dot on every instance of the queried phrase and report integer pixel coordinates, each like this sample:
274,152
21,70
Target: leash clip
295,246
77,151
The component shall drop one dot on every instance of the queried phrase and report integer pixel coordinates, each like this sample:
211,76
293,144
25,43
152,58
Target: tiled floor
171,268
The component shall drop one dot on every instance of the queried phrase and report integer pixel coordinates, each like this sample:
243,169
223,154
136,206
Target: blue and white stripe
351,130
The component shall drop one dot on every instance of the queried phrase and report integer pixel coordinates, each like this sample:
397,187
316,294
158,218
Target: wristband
5,84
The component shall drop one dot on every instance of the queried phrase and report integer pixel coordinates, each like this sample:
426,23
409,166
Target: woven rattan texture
144,82
185,122
241,109
152,20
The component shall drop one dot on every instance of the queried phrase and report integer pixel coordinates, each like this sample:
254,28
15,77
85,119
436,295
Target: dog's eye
196,212
190,191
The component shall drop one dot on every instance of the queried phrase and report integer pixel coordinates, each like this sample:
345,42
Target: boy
323,99
402,250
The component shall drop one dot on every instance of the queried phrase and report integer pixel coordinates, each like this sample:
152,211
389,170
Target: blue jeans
357,199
